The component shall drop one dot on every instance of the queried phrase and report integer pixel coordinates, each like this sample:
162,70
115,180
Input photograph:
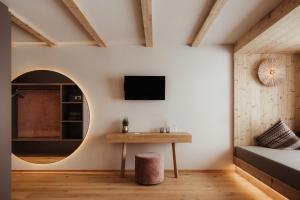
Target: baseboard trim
118,171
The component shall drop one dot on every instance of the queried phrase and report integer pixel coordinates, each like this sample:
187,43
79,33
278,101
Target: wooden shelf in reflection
35,139
42,139
74,121
38,84
69,102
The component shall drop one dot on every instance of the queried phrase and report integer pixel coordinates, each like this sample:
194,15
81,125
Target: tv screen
144,87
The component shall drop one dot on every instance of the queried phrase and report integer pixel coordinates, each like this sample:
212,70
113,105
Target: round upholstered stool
149,168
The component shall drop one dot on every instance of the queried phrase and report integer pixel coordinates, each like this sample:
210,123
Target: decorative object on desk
271,72
162,130
174,128
167,129
125,124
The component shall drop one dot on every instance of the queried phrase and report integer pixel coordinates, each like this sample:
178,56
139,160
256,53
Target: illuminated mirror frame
89,116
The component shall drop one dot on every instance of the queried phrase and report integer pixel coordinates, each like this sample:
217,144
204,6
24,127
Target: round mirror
50,116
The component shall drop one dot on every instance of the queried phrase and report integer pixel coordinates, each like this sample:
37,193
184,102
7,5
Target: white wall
198,100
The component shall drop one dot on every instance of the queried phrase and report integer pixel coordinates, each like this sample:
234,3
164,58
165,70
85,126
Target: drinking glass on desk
167,129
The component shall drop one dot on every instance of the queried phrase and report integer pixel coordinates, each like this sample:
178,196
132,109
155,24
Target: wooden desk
151,138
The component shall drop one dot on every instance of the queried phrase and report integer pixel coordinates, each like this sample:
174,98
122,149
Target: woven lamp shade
271,72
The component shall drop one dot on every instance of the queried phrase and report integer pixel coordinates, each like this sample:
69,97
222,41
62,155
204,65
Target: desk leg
124,151
174,160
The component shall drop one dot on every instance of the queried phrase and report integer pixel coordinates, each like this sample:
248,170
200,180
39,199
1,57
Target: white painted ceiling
118,22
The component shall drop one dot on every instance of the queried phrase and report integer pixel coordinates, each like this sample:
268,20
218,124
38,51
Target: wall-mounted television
144,87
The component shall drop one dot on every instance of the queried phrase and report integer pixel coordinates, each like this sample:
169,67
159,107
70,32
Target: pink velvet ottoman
149,168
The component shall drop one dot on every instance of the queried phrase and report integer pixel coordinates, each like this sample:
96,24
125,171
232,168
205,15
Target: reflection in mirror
50,116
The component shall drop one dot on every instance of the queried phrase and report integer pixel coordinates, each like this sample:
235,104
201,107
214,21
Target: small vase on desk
125,129
125,124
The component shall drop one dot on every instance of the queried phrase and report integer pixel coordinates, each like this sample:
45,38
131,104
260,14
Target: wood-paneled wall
257,107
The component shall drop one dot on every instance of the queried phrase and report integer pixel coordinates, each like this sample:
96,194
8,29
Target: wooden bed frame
271,184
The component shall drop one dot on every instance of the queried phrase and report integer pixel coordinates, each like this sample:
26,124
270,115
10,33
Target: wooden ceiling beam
147,21
271,20
83,21
214,12
26,26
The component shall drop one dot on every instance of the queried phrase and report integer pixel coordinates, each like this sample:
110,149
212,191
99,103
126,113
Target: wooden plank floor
108,185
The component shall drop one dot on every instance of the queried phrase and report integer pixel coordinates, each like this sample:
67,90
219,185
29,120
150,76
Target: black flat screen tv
144,87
